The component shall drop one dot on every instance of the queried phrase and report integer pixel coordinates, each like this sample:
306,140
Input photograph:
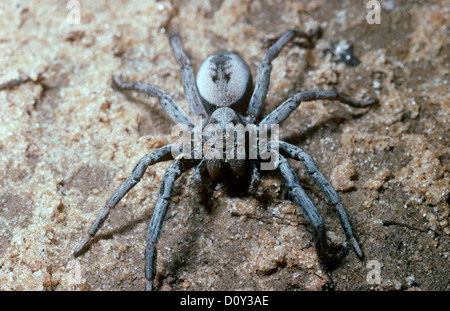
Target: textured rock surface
67,140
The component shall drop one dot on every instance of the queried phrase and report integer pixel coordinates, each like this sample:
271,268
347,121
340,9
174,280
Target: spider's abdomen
224,80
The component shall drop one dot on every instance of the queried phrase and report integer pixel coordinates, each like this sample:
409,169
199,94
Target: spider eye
224,80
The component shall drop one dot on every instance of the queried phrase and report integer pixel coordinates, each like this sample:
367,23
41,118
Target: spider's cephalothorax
223,96
224,121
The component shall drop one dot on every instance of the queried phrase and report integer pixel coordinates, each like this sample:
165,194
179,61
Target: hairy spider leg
176,168
296,194
299,196
311,168
285,109
265,68
175,112
188,78
158,155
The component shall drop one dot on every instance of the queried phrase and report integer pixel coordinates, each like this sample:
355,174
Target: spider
222,93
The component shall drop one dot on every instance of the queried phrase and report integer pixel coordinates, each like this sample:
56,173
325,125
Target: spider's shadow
153,109
118,231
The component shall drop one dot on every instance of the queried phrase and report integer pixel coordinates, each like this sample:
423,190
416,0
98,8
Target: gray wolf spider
222,93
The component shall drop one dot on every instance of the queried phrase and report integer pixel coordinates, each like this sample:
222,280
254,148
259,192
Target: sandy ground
68,139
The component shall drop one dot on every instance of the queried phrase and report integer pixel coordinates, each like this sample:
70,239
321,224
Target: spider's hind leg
265,67
188,78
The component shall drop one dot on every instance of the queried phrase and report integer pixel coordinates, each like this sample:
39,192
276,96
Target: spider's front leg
158,155
330,258
178,166
310,165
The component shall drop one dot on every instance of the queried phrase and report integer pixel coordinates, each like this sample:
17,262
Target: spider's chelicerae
222,94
